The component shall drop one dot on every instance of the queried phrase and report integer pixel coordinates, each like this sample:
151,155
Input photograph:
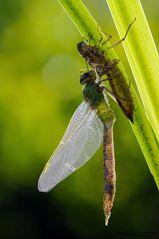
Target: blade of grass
141,53
88,28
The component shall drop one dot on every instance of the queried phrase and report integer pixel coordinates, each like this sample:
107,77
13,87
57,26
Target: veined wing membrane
81,140
75,122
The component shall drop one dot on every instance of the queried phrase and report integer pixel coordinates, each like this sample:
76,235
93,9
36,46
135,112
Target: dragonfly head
89,76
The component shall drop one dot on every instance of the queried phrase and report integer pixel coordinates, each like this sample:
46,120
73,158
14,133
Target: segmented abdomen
109,171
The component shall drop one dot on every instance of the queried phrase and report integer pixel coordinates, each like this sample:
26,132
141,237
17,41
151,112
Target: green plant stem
141,53
88,28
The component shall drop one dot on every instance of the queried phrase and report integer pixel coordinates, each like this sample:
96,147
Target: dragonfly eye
84,78
89,76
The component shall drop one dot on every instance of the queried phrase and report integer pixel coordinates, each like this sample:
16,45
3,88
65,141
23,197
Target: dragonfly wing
81,140
75,121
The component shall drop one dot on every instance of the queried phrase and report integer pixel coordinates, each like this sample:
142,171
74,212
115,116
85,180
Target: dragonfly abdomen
109,171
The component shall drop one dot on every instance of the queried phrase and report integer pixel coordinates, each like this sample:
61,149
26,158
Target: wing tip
43,189
42,186
45,185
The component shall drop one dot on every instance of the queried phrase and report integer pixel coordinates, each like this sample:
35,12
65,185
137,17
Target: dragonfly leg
114,95
87,66
107,67
123,39
101,42
82,71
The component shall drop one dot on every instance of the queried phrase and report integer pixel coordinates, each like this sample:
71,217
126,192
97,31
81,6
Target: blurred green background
39,76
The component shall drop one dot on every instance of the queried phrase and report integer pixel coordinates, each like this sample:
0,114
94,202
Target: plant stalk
89,29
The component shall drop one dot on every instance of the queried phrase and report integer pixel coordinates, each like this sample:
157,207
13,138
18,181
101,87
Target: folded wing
81,140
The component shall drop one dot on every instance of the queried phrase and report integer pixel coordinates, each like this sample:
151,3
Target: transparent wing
81,140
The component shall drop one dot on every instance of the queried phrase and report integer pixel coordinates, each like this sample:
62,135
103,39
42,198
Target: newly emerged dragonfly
91,124
98,59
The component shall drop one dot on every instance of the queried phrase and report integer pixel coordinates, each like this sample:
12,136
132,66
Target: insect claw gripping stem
101,42
109,36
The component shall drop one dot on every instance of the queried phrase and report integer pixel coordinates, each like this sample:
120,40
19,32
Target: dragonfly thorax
93,91
93,94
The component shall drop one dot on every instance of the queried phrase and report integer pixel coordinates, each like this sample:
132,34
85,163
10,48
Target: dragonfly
90,126
98,59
